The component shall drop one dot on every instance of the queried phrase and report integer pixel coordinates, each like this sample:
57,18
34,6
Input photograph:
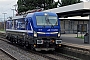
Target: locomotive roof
39,13
31,14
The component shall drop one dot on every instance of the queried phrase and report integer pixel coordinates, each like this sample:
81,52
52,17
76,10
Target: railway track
19,52
30,52
48,56
51,54
4,55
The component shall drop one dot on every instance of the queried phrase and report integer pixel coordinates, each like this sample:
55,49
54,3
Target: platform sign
82,28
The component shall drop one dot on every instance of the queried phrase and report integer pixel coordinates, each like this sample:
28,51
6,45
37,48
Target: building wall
70,26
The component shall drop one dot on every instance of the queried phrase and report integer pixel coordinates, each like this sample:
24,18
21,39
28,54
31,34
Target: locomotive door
29,27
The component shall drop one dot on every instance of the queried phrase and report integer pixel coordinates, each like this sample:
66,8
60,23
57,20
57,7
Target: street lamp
13,11
4,20
15,6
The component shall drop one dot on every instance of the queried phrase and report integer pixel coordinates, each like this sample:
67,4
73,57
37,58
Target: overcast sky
6,6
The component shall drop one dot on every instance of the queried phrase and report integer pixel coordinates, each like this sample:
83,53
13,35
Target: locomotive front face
47,25
47,30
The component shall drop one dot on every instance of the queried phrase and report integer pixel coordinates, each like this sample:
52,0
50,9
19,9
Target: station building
70,24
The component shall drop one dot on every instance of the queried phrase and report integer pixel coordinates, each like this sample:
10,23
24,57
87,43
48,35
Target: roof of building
72,10
78,6
76,18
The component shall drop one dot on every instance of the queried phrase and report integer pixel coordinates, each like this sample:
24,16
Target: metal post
15,6
89,29
4,20
13,12
77,28
64,26
73,26
44,4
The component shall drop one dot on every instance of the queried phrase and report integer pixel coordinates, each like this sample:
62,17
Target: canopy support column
89,29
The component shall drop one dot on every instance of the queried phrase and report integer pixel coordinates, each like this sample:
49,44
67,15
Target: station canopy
79,9
75,18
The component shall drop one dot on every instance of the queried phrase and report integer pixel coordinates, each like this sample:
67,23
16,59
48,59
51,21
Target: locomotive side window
21,24
9,24
26,23
16,23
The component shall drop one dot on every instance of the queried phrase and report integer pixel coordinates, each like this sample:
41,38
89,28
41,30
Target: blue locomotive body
39,31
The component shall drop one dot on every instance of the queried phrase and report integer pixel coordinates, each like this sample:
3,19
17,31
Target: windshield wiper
55,23
48,22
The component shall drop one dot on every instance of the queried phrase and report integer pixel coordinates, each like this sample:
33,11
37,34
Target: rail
8,54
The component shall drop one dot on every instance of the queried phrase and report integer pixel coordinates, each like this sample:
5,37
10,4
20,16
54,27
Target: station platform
71,40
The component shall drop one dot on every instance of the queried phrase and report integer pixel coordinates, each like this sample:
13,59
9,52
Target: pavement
71,38
2,31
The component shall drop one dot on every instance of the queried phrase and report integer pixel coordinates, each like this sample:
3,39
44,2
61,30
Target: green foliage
1,29
25,5
81,37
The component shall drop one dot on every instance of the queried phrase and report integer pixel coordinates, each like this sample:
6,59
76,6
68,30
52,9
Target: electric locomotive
38,30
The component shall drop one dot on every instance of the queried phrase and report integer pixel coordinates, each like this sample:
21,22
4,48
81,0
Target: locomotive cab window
47,20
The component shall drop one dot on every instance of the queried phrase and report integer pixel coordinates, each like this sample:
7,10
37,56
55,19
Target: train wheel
12,40
26,44
7,37
16,41
32,47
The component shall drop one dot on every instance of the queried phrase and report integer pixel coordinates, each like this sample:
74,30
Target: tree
25,5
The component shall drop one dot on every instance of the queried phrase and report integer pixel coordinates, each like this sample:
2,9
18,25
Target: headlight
35,34
59,34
